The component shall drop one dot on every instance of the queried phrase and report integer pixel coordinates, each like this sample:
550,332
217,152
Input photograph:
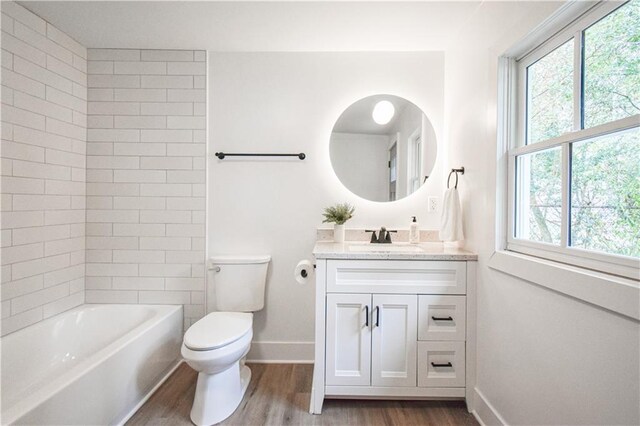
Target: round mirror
383,148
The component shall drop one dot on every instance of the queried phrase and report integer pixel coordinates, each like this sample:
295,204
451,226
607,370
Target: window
415,161
574,167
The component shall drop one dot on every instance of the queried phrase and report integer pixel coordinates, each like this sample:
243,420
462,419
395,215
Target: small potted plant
338,215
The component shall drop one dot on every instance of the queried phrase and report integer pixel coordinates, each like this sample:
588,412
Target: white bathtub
92,365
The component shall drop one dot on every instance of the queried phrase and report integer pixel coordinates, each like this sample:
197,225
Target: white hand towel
451,219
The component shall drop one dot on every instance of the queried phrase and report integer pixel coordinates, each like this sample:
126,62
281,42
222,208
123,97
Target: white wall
44,105
146,178
360,162
543,357
288,102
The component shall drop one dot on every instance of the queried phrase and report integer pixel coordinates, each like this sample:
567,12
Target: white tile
166,82
100,122
186,95
97,283
99,175
189,284
100,229
121,189
138,230
41,42
66,70
139,203
40,170
138,256
60,217
166,163
165,243
166,108
138,283
111,269
41,74
99,256
64,99
140,68
142,149
186,122
199,82
167,55
24,50
166,136
66,129
140,95
57,187
111,296
40,138
164,297
186,68
139,176
112,243
111,162
187,149
100,148
140,122
113,135
192,230
39,298
185,256
186,203
21,151
113,108
63,158
165,216
95,202
39,266
7,59
185,176
63,275
113,54
112,216
23,319
112,81
100,67
22,253
18,185
80,63
40,106
69,245
63,304
199,55
101,94
23,118
21,287
165,189
41,202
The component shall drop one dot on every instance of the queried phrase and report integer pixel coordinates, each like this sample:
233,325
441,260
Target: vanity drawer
441,317
441,364
396,276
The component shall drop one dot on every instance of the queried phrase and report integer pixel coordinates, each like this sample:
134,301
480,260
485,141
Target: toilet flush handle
216,269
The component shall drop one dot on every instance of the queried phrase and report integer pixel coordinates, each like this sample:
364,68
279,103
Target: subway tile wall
146,178
44,105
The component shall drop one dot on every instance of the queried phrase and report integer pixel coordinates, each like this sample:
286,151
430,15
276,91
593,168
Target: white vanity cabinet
392,328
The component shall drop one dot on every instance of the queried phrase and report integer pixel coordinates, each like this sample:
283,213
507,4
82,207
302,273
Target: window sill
617,294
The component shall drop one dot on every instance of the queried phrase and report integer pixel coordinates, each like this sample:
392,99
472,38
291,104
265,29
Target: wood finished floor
279,395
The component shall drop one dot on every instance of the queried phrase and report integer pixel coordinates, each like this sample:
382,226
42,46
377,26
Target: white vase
338,233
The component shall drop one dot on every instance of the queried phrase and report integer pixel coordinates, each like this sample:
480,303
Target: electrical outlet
432,205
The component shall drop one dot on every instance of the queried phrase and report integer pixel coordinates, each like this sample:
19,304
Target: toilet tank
237,283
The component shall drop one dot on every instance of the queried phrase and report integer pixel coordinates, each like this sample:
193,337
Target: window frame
515,130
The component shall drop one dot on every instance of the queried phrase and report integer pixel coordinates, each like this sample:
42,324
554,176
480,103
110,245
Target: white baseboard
281,352
484,412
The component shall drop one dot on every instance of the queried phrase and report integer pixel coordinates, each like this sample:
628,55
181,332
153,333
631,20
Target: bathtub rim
22,407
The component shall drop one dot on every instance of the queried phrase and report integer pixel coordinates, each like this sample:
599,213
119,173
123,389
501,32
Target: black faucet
383,237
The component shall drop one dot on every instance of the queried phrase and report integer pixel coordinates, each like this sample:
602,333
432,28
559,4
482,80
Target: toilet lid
217,329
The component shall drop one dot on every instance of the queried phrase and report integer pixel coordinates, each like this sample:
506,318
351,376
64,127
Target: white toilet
216,345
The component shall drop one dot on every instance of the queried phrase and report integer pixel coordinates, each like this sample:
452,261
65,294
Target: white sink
386,248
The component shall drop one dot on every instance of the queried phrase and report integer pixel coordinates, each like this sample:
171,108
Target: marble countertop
422,251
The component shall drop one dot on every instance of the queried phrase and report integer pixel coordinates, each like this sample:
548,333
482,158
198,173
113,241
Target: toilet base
219,395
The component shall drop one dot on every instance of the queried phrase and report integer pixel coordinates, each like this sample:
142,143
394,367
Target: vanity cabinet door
394,340
348,345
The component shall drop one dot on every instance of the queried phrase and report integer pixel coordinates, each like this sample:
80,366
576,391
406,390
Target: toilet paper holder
304,272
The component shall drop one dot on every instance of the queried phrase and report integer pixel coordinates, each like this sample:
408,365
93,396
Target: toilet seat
218,329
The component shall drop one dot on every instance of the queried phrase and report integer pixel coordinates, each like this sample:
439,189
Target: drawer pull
377,316
448,364
442,318
366,313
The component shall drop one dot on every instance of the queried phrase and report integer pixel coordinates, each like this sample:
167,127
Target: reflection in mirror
383,148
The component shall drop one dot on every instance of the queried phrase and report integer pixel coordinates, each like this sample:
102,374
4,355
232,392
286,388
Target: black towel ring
456,171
